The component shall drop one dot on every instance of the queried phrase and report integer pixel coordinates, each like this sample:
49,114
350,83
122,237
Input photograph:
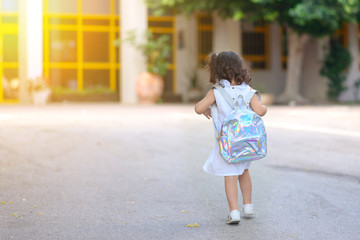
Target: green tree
337,60
156,49
302,19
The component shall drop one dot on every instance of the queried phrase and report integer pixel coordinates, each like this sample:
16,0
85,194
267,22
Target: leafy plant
334,68
69,91
156,49
38,84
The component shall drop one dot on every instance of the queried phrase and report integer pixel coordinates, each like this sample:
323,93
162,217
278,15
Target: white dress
215,163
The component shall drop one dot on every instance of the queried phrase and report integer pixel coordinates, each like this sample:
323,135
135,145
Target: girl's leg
231,190
246,187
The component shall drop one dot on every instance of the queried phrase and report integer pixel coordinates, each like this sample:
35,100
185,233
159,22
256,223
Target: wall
271,80
186,55
226,37
313,85
354,73
133,17
30,44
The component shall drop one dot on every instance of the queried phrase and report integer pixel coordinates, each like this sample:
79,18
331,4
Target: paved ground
134,172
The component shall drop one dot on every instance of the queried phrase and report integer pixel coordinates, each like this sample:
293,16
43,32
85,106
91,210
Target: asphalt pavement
111,171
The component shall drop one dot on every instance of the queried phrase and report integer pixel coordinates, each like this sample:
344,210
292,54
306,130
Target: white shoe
234,217
248,210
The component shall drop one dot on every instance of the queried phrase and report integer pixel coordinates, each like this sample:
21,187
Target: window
204,31
9,84
79,49
160,25
342,35
255,41
284,48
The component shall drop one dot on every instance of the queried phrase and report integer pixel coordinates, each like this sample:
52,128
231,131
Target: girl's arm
257,107
203,107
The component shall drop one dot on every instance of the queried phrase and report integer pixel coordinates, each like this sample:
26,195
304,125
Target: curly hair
228,66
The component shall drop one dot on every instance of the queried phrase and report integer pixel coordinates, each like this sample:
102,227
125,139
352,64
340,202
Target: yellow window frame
284,57
200,29
266,57
343,32
6,28
113,66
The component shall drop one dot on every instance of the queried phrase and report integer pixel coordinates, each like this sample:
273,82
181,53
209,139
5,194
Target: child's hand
207,113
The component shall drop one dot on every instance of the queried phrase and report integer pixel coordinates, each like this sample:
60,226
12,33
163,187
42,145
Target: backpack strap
233,103
214,112
215,119
225,95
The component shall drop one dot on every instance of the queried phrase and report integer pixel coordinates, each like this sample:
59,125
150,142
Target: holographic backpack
242,136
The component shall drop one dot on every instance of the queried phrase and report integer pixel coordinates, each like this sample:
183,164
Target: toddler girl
233,74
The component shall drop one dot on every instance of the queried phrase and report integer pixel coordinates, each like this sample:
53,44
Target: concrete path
134,172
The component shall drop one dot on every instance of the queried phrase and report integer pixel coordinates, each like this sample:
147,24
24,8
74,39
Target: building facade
72,43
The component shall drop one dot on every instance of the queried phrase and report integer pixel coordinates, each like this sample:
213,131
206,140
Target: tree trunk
296,44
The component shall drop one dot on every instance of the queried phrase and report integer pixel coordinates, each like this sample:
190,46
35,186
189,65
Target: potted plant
157,50
39,90
10,87
97,94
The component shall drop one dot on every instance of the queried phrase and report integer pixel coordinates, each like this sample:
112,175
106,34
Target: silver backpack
242,136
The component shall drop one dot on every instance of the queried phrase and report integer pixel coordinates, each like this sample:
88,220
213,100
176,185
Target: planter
149,87
91,97
40,97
